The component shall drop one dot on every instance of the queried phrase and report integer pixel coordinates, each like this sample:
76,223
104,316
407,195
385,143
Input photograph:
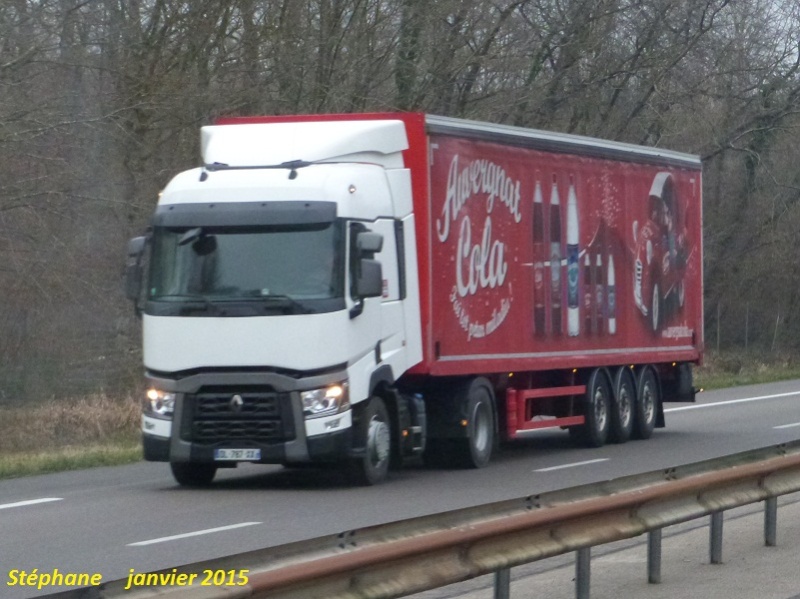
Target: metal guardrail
406,557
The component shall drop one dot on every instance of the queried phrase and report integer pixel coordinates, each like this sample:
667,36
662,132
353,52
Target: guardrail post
502,584
583,572
771,522
654,556
715,551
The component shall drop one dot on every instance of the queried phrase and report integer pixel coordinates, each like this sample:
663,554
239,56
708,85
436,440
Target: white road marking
196,533
730,401
573,465
5,506
787,425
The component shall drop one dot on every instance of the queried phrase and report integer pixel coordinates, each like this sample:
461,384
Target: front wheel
373,431
193,474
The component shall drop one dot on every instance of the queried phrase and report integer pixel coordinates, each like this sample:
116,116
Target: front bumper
254,410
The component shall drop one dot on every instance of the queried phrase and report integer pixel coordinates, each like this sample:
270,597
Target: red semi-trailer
488,281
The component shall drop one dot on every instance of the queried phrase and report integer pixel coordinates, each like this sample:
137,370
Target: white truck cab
274,300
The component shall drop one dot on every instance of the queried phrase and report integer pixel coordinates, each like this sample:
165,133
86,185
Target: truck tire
622,407
647,399
374,434
597,408
193,474
475,451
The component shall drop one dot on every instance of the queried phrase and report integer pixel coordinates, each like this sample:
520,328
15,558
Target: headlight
649,251
160,402
326,401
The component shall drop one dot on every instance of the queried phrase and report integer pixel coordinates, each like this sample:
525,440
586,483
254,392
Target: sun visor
244,214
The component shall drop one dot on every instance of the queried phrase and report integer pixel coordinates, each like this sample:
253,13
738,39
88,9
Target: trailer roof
558,142
507,134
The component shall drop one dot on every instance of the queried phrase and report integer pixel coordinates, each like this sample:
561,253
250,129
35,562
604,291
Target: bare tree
102,100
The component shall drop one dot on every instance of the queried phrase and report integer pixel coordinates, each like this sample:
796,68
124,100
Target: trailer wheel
647,400
475,450
622,407
373,431
597,408
193,474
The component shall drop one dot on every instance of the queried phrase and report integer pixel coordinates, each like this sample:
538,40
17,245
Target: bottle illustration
538,263
599,298
611,294
555,260
588,291
573,269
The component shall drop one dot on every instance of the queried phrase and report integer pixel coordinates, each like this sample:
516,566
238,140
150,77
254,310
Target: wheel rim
648,402
378,441
625,405
482,422
600,408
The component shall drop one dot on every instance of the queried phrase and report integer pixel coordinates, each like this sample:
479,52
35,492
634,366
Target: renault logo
236,403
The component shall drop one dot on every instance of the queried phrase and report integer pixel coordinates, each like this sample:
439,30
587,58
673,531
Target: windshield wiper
193,304
285,303
199,304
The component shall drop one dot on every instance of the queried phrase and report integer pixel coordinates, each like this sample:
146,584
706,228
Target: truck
361,291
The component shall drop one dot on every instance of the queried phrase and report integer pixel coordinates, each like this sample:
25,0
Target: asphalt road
111,520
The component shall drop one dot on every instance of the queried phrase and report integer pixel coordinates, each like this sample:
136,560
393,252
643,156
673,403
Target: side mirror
370,279
368,272
133,268
369,242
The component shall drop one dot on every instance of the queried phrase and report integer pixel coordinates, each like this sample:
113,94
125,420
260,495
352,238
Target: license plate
237,454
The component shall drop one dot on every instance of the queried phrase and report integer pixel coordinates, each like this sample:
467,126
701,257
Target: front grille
218,416
236,430
252,405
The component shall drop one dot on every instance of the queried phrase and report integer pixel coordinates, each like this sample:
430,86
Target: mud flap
677,384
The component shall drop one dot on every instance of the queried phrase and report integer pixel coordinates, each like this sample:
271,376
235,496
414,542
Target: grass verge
732,369
68,458
68,434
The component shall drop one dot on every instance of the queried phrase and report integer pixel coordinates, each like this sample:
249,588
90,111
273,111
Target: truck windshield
288,268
